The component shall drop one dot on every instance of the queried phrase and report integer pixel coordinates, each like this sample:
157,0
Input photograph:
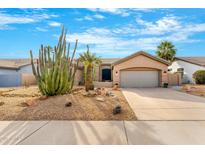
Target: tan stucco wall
97,73
28,79
78,77
140,61
174,79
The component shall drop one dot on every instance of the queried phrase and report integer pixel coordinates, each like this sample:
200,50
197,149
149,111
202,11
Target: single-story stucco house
18,72
11,71
187,65
137,70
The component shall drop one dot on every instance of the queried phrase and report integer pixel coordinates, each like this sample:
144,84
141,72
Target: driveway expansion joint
33,132
125,132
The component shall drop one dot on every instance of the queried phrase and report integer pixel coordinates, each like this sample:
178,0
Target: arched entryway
106,74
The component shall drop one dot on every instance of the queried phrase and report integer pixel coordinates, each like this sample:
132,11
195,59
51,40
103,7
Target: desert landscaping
26,103
193,89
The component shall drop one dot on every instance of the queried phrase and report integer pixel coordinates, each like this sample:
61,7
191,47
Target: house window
106,74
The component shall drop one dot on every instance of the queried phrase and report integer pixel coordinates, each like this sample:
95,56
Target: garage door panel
139,79
10,80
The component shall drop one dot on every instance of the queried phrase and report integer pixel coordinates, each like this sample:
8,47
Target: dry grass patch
198,90
53,108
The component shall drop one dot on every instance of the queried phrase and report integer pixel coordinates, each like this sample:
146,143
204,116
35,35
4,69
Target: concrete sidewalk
102,132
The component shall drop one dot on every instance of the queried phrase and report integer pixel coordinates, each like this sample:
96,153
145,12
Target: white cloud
54,24
92,36
41,29
32,17
121,11
104,40
98,16
6,19
116,11
90,18
169,25
143,9
128,29
109,41
161,26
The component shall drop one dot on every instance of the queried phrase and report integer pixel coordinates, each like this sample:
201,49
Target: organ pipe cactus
54,69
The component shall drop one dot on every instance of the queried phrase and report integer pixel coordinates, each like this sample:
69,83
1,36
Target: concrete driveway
165,104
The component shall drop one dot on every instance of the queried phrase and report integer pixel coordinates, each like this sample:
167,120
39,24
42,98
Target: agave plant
55,69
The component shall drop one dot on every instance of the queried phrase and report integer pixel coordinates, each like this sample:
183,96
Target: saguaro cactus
54,69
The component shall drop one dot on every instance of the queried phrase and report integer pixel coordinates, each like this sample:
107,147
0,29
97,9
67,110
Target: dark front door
106,74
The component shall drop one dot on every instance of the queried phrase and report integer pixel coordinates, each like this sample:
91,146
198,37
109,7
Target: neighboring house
187,65
18,72
11,71
137,70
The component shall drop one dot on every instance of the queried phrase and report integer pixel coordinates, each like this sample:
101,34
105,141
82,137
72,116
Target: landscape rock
31,103
1,103
68,104
98,91
75,92
115,87
117,109
109,93
85,93
101,99
90,93
43,98
24,104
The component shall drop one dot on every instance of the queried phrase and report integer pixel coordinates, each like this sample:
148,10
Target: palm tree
166,50
90,61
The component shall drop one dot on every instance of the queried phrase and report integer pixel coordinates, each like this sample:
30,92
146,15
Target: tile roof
142,53
14,63
109,60
194,60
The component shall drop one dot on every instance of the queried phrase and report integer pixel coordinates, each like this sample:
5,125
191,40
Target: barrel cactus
55,69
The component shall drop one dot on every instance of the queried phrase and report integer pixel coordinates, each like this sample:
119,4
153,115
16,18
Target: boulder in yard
75,92
117,109
101,99
32,102
85,93
68,104
98,91
92,93
43,98
1,103
109,93
115,87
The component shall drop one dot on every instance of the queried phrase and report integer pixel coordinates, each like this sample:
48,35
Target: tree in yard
166,50
90,61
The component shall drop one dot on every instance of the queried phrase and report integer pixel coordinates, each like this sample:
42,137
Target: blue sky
109,32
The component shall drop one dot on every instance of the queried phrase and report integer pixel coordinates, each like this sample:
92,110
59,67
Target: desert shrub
199,77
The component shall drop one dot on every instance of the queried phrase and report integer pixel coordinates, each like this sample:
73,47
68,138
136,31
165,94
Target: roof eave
141,53
176,58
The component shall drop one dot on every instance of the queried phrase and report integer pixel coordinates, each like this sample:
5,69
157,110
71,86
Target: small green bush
199,77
